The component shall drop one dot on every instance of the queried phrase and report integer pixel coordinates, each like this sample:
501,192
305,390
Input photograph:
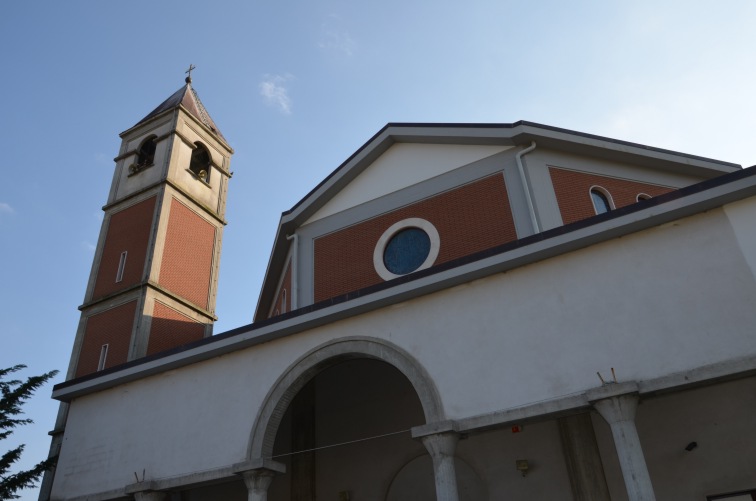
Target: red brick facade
171,328
112,327
283,300
470,218
128,230
572,191
186,268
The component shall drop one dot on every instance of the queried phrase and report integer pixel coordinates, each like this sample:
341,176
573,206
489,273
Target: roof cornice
518,133
665,208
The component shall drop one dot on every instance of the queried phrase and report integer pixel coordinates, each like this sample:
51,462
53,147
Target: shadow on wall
108,337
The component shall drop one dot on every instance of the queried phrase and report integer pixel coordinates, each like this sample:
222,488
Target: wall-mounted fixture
522,466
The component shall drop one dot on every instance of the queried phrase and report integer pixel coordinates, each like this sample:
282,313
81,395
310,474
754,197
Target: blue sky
296,87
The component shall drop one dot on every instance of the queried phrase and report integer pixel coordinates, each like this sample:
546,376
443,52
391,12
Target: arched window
600,199
200,162
642,196
146,155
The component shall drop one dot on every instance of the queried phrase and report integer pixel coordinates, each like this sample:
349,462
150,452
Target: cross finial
189,72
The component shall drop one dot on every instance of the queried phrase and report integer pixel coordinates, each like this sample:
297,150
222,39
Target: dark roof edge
514,125
336,170
628,143
173,101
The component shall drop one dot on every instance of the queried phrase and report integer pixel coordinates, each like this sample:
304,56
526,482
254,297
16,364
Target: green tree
14,394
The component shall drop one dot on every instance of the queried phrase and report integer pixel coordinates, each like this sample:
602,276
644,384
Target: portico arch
322,357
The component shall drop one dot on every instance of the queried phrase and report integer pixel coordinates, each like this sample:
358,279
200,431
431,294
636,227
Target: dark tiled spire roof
187,97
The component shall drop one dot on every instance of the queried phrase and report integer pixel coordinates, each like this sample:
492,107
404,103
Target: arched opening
200,162
342,406
415,481
146,154
346,433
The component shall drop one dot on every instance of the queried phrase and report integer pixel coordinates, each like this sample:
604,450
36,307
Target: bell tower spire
154,277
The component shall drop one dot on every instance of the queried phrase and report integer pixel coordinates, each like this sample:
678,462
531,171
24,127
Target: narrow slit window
121,266
283,302
600,201
103,357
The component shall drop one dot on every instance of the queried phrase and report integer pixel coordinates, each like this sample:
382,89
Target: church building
458,312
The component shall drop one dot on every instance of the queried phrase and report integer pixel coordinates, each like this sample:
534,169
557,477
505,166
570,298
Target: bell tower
155,272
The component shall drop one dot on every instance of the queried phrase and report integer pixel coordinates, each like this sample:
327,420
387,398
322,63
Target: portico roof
646,214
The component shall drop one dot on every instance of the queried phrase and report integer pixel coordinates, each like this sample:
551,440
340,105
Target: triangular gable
347,187
402,165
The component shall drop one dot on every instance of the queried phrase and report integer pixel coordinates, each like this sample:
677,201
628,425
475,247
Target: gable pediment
409,158
403,165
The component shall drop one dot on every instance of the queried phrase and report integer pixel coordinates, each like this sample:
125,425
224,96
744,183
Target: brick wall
187,262
128,230
572,191
112,327
471,218
170,329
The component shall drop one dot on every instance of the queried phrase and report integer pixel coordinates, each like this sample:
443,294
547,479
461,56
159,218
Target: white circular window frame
413,222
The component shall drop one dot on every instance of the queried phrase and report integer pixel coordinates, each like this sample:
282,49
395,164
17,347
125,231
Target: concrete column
582,457
258,474
441,447
257,482
618,409
149,496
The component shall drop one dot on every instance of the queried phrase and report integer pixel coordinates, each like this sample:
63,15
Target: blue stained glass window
406,251
600,202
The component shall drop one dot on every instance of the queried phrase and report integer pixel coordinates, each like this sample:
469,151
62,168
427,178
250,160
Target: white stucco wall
125,184
741,216
206,193
649,304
